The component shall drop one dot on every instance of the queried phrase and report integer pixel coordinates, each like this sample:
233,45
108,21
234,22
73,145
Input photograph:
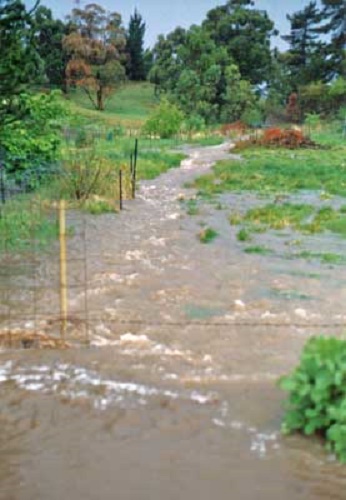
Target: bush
194,123
317,393
312,120
85,174
165,121
252,117
34,138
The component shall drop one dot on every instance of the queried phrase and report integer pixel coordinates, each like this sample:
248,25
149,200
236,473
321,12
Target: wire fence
48,296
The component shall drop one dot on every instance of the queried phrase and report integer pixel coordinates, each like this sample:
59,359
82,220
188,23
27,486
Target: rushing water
176,398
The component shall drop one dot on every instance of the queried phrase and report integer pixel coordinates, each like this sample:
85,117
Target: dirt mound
277,137
290,138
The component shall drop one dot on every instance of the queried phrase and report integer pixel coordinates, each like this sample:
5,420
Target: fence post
134,172
63,268
2,184
120,189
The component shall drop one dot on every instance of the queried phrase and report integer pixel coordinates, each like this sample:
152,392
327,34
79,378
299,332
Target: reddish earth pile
291,139
277,137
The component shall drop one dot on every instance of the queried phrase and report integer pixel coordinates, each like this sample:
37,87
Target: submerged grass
207,235
299,217
326,258
258,249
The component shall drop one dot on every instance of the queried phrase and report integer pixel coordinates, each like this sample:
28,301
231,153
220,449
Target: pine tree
305,57
334,15
136,65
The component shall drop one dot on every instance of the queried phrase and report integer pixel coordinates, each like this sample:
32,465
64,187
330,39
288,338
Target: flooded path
177,396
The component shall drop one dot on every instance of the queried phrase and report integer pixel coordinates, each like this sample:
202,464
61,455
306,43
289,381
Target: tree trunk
100,99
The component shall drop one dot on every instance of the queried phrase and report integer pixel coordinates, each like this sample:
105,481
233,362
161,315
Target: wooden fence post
63,268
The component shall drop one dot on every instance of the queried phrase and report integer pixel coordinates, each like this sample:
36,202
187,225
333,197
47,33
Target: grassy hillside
130,105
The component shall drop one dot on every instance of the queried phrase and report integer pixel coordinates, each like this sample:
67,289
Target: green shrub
84,174
34,138
312,120
165,121
317,393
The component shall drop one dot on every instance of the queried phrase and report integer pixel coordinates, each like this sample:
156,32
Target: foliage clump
165,121
317,393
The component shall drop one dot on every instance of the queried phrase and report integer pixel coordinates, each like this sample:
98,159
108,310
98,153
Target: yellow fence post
63,268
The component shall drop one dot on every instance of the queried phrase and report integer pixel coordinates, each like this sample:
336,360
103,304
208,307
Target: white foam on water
173,216
261,442
301,313
134,255
130,338
268,314
157,242
79,383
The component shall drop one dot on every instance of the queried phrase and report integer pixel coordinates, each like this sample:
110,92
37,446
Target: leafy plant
85,174
34,138
165,121
317,393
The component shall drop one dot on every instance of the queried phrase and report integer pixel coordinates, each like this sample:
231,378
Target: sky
162,16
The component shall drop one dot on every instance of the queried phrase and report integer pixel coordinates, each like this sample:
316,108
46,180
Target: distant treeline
220,71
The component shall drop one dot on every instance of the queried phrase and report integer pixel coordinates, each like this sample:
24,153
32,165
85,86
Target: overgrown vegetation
317,393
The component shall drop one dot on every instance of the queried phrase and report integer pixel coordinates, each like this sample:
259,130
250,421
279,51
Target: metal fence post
120,189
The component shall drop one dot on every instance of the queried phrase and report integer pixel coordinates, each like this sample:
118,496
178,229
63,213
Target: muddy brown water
176,398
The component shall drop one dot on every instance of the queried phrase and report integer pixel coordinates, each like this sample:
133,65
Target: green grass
207,235
299,217
326,258
277,216
258,249
277,171
131,104
244,235
99,207
25,225
192,207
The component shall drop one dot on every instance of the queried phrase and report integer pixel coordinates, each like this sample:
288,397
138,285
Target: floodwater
176,398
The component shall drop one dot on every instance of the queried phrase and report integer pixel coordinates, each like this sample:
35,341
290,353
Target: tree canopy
95,46
136,66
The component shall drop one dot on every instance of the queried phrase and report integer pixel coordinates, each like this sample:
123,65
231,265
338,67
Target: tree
306,57
96,49
189,67
334,15
239,97
20,64
49,34
136,67
245,32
